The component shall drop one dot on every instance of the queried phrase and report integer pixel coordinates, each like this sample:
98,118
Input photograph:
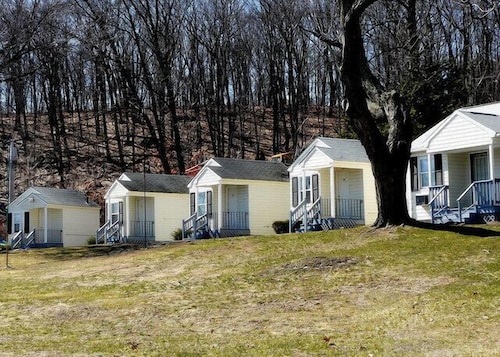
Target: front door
237,208
343,195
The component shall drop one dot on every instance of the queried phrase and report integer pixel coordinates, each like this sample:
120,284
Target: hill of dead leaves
87,169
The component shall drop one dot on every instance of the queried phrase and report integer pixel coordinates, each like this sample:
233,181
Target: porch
205,225
37,239
137,232
478,203
347,213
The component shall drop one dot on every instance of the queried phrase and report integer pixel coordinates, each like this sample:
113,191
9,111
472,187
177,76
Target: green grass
390,292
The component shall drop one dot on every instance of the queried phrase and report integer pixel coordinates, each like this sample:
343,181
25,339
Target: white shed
145,207
44,217
454,170
231,197
332,184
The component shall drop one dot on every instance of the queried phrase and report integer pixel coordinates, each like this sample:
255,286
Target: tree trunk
378,118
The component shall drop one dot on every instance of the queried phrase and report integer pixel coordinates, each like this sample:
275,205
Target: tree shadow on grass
90,251
457,228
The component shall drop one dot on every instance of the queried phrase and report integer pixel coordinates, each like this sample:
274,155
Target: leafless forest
91,88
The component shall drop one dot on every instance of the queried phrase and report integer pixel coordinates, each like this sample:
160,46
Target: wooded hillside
89,89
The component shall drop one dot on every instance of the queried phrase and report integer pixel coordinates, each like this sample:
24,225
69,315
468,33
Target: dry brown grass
404,291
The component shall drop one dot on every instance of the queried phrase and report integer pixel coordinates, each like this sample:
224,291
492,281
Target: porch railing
22,240
349,208
193,224
297,214
100,236
484,193
142,228
17,239
305,213
235,220
326,207
438,200
314,212
53,236
108,233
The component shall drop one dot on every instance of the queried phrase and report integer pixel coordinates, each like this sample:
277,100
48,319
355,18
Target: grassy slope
403,291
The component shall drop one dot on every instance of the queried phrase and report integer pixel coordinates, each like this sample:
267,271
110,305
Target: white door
343,195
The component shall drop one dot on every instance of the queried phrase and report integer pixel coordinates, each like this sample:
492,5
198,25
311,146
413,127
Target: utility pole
11,162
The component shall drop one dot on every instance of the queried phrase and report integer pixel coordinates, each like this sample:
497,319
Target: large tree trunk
378,118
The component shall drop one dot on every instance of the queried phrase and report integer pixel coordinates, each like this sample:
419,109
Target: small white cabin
454,169
144,207
332,185
232,197
51,217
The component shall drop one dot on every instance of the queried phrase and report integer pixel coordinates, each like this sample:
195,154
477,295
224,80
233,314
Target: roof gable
44,196
480,123
332,149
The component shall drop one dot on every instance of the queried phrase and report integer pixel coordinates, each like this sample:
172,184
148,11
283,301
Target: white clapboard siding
457,134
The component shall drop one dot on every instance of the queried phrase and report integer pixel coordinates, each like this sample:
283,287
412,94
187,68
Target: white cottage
231,197
48,217
332,185
144,207
454,170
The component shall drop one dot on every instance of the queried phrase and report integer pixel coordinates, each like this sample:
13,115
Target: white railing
297,214
17,239
482,194
142,228
108,233
235,220
304,213
100,235
30,238
438,200
193,224
349,208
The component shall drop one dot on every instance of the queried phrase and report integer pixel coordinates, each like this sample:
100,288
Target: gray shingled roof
63,197
156,183
250,170
344,150
490,121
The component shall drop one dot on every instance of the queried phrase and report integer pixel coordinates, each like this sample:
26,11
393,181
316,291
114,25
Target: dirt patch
319,263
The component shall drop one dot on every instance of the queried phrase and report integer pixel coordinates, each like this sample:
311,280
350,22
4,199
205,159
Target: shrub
281,226
91,240
177,234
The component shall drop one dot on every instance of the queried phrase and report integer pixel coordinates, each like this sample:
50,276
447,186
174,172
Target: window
437,170
295,191
117,212
305,188
414,173
479,166
419,171
423,170
192,203
17,222
204,203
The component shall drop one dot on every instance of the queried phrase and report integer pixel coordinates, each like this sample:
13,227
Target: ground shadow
457,228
